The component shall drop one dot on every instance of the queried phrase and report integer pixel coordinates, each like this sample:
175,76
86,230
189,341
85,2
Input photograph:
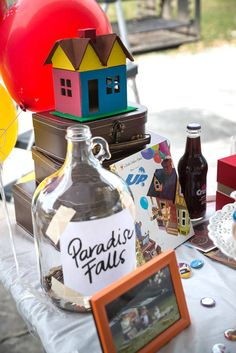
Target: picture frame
143,310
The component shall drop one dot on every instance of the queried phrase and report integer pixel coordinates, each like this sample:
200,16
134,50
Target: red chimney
88,33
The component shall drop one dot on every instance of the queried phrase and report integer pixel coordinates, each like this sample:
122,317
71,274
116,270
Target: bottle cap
234,216
220,348
208,302
230,334
184,270
194,126
197,263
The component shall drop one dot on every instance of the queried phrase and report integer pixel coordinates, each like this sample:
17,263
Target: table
65,332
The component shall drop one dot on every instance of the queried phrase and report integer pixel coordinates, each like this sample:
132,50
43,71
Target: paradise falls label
98,252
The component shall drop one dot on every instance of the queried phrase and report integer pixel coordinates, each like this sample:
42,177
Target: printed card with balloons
162,219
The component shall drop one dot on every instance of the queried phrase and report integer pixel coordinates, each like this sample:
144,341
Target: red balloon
3,7
28,31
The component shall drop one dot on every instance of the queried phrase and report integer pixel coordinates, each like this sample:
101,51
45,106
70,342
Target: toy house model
89,74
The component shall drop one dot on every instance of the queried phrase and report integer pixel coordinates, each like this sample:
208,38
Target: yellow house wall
60,60
117,56
91,61
179,199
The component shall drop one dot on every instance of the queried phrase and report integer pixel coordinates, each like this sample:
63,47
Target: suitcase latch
117,130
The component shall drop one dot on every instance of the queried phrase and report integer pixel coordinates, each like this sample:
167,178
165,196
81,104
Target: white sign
98,252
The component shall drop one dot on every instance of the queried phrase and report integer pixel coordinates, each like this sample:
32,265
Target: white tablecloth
64,332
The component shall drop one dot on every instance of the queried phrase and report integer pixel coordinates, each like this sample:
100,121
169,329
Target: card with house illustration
162,219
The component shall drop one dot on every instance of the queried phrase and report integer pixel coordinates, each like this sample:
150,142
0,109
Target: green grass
218,25
218,21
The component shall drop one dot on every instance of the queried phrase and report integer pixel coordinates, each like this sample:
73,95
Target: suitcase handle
131,143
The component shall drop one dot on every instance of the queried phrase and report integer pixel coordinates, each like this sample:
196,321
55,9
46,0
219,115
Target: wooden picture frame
143,310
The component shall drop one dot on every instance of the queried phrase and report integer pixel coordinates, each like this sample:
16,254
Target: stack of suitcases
90,87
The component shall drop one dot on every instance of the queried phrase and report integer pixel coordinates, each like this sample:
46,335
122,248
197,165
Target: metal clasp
117,130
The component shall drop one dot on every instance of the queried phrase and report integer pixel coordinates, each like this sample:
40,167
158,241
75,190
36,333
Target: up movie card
162,219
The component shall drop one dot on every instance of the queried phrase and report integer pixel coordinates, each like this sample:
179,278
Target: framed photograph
143,310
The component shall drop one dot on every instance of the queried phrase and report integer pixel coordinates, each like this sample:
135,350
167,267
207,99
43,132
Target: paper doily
220,230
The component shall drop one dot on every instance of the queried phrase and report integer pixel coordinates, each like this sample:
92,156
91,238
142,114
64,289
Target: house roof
75,48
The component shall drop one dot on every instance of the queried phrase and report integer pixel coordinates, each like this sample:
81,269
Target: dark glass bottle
192,169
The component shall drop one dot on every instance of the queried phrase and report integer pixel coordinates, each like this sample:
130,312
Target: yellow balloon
8,124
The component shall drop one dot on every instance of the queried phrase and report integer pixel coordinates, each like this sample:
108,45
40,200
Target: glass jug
83,219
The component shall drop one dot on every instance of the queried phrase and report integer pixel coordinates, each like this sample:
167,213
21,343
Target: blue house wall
107,102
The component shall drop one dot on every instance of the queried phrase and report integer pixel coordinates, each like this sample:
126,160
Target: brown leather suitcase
46,165
124,133
23,194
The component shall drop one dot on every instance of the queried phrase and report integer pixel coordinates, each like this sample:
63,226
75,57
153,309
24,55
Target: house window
117,84
113,84
183,218
66,87
163,204
109,85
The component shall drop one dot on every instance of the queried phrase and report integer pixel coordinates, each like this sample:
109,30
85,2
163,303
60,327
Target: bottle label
200,193
98,252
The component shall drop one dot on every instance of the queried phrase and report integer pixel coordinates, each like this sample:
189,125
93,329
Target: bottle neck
193,145
78,152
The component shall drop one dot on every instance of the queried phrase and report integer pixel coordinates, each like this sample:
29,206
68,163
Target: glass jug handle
104,152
